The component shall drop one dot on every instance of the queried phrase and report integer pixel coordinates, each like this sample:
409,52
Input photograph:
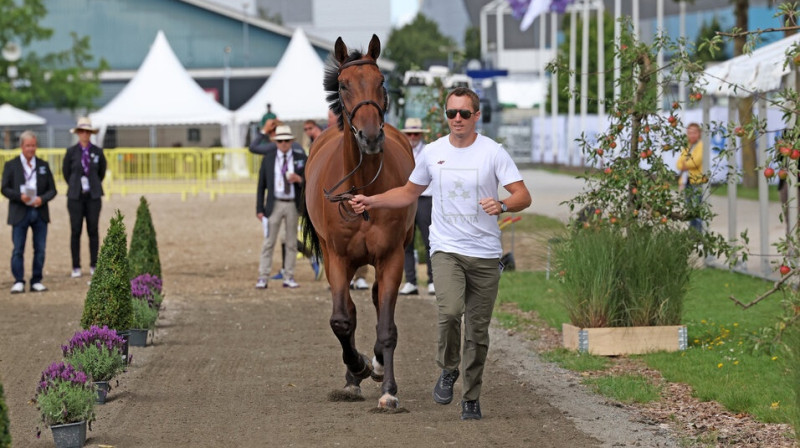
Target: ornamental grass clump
65,395
624,279
5,427
96,351
108,301
143,254
147,287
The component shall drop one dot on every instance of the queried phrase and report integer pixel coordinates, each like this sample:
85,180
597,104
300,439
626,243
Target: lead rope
346,214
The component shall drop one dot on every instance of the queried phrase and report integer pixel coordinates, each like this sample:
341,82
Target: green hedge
108,301
5,425
143,255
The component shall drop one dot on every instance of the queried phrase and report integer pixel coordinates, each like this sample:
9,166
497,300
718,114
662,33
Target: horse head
360,94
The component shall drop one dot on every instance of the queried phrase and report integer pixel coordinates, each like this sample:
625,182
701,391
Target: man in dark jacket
84,168
28,184
281,178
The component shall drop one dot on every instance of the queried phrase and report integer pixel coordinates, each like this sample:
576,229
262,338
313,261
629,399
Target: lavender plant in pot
65,398
98,352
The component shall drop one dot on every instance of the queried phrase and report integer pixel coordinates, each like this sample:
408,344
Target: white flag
535,8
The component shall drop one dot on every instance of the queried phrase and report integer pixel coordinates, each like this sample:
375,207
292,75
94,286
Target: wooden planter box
613,341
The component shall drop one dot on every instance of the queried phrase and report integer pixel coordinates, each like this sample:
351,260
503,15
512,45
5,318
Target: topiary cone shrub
5,430
108,301
143,255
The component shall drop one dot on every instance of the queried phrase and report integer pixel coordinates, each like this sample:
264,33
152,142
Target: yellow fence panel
184,171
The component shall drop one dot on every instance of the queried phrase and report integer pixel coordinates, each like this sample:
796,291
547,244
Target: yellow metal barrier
181,171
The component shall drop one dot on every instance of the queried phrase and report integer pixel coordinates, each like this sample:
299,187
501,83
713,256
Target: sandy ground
230,365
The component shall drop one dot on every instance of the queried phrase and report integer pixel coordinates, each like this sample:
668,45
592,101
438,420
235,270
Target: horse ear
374,49
340,50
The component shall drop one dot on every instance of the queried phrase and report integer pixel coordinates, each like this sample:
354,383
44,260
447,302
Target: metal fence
184,171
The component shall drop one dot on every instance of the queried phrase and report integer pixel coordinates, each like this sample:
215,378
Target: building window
193,135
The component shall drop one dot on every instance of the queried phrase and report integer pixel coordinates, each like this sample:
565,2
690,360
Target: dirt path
234,366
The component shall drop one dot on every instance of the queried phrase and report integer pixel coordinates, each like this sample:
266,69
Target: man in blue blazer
281,178
28,184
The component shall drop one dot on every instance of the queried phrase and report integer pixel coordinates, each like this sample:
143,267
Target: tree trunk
745,105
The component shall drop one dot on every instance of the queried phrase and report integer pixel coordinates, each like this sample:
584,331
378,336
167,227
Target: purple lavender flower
60,372
96,336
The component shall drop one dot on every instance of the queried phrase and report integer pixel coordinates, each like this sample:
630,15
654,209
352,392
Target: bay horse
360,155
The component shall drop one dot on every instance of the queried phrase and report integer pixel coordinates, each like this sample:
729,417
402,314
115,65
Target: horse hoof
388,401
350,393
366,371
377,371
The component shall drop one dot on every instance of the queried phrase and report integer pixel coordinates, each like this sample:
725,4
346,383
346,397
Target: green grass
717,365
745,193
579,362
625,388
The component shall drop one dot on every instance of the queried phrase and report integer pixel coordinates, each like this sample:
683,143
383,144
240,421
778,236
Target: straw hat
414,125
84,124
283,132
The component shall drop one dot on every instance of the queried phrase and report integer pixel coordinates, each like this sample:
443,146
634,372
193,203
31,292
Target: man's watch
503,207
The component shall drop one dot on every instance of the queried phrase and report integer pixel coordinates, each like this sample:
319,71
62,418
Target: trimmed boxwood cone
143,255
5,430
108,301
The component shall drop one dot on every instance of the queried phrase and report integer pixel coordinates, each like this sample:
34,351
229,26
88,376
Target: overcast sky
403,11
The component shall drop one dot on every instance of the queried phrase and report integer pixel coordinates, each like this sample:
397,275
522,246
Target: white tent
760,71
11,116
294,89
162,93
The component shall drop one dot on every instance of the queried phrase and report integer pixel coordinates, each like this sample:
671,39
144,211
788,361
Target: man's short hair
311,122
464,91
696,126
25,136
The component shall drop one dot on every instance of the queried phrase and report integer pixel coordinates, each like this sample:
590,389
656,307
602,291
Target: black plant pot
69,435
102,391
137,337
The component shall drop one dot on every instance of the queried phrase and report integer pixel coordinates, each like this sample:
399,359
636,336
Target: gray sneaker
443,391
471,410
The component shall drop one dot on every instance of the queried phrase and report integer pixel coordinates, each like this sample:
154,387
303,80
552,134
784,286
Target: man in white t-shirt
462,171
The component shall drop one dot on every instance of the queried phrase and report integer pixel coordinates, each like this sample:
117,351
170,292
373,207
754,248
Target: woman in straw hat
84,168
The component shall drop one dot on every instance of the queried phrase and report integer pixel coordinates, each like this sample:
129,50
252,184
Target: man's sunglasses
413,134
465,114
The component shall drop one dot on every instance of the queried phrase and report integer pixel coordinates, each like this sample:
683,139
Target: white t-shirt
417,150
458,178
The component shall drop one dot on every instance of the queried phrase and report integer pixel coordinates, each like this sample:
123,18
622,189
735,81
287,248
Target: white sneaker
431,290
361,284
261,283
38,287
290,283
408,289
91,270
76,273
18,288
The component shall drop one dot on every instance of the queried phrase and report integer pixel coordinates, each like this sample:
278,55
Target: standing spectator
464,170
312,129
281,176
264,143
267,116
28,184
413,131
691,161
84,169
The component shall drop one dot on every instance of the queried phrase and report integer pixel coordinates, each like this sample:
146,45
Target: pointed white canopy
11,116
161,93
294,89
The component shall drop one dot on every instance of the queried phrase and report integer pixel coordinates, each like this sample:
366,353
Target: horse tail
309,233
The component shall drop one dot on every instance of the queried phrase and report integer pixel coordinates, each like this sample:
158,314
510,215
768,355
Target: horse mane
330,82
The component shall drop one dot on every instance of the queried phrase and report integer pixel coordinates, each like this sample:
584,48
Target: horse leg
343,322
390,274
377,360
